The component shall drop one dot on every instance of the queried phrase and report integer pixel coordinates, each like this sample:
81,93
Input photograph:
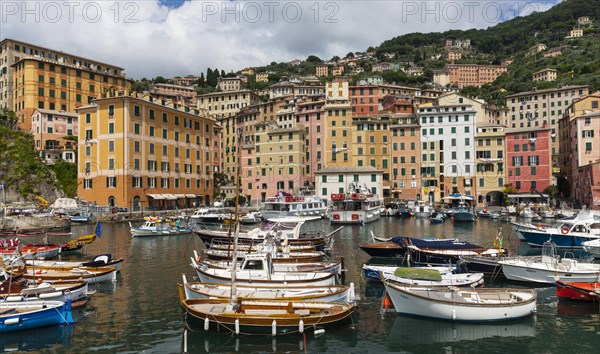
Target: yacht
285,205
358,206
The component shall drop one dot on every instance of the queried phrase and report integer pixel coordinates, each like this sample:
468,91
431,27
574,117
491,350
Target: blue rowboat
16,316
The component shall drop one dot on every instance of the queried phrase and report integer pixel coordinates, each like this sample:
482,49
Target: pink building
584,151
310,112
49,128
588,181
529,158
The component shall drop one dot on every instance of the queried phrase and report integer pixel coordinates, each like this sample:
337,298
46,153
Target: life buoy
288,199
354,196
354,216
336,216
564,230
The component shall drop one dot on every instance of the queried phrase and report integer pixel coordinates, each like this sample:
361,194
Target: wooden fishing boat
278,257
256,260
31,251
100,261
91,275
451,255
425,276
274,317
589,291
484,304
16,316
260,270
398,246
16,290
77,244
258,235
334,293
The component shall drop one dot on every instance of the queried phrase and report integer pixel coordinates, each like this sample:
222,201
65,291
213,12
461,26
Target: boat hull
44,313
354,217
578,291
538,237
283,279
408,302
545,276
463,217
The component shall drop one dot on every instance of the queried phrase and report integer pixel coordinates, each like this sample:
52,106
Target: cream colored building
490,151
333,180
262,77
575,33
229,84
545,75
322,70
540,47
226,104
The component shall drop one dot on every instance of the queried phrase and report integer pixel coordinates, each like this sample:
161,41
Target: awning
156,196
190,196
180,195
170,196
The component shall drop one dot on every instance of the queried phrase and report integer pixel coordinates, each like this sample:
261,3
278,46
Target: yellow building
322,70
405,173
337,125
41,83
262,77
137,153
490,154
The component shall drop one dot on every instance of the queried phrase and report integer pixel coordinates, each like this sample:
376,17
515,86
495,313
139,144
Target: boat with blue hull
16,316
565,233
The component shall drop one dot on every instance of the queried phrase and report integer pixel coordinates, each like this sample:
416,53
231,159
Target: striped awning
156,196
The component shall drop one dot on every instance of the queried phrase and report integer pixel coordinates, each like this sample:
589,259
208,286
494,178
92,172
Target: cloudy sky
180,37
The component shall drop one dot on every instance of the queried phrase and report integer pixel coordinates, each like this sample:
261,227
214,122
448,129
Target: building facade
529,158
60,70
49,128
143,155
584,150
447,150
463,75
531,109
490,152
545,75
405,144
334,179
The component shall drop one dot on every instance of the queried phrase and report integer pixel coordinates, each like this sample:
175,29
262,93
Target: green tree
314,59
160,80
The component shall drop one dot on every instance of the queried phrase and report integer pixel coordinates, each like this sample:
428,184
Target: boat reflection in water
408,331
57,337
577,308
198,341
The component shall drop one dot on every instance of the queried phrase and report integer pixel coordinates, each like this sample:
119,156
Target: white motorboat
526,213
592,247
358,206
284,204
485,304
549,268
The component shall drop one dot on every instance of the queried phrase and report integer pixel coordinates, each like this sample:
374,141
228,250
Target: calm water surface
141,311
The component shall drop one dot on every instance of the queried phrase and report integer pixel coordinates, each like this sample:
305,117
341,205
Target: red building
529,158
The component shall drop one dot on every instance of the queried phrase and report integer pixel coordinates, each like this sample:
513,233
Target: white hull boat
592,247
486,304
549,268
334,293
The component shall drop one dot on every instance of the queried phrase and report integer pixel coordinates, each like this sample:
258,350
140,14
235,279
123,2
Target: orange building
138,153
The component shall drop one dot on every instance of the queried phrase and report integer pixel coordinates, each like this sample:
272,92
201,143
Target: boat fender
273,328
301,326
453,314
319,331
564,230
14,299
206,324
12,321
237,326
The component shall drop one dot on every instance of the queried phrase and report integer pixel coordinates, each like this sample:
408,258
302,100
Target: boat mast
236,220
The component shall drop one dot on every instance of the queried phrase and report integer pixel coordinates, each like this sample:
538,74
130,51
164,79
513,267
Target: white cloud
150,39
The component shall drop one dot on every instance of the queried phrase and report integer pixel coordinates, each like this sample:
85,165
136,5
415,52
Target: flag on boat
98,229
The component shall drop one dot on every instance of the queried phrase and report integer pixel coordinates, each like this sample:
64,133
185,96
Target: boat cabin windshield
253,264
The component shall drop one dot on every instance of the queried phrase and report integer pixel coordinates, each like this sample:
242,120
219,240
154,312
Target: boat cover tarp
64,203
418,273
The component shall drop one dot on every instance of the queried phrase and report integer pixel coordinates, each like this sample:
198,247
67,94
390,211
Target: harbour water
140,312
